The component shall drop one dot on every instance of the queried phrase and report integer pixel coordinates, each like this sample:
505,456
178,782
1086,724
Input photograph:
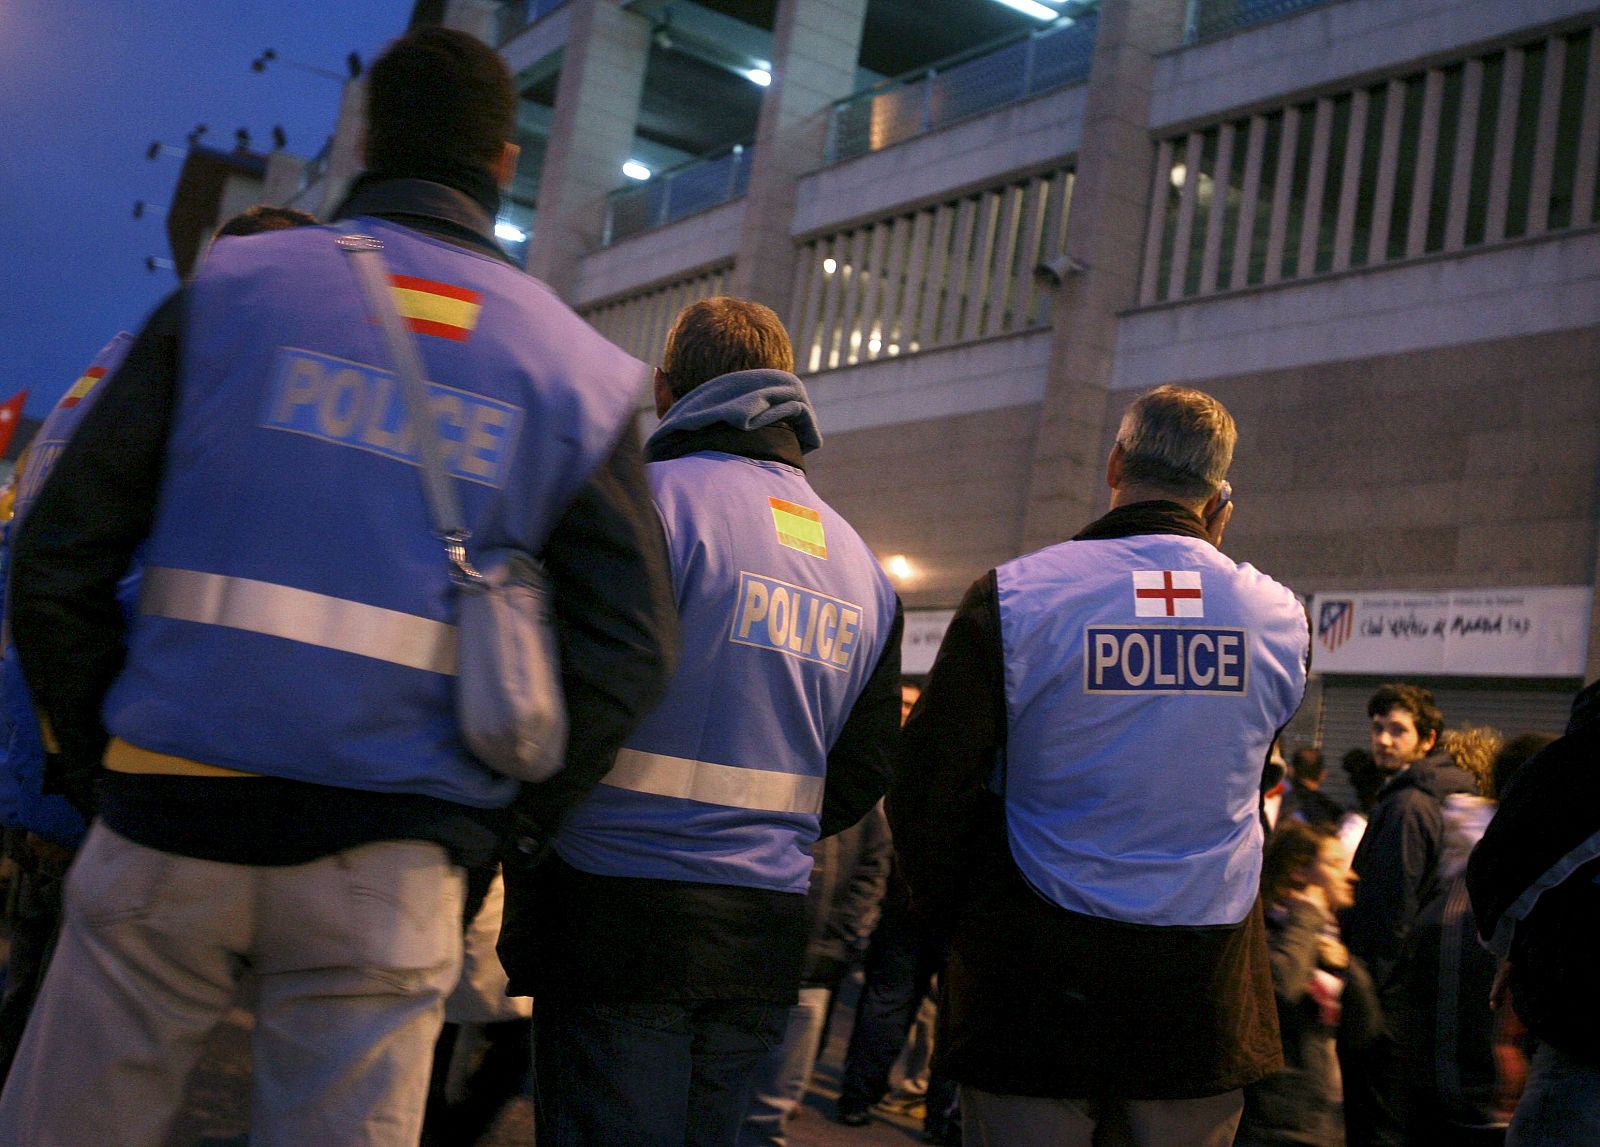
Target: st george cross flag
10,415
1167,593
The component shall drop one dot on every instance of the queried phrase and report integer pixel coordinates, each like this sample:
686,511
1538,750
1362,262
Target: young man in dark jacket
1397,864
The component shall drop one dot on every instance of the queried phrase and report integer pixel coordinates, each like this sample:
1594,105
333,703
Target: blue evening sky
85,86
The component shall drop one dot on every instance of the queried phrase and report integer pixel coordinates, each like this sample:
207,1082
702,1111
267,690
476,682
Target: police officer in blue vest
274,768
46,829
664,942
1078,811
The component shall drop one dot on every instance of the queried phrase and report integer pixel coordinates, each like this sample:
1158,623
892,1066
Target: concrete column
475,17
344,153
283,178
1105,233
591,133
815,45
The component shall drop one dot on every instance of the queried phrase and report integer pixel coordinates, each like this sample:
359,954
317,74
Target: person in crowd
1465,1064
1398,868
270,751
1274,785
848,874
45,828
1108,968
1305,801
1534,882
1321,992
1365,781
665,940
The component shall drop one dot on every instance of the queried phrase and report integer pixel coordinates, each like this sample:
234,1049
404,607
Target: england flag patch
1167,593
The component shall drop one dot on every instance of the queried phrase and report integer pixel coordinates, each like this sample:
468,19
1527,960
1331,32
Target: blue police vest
1145,678
784,615
297,617
23,802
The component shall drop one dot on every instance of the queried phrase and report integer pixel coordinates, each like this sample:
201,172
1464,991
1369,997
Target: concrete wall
947,492
664,253
1545,284
974,152
985,375
1471,465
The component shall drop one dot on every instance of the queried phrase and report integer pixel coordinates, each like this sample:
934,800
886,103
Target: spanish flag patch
439,309
82,387
799,528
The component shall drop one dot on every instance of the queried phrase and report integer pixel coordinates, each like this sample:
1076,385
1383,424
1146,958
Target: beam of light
1031,8
760,77
633,169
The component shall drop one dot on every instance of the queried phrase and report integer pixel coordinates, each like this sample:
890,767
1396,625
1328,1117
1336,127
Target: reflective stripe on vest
300,615
727,785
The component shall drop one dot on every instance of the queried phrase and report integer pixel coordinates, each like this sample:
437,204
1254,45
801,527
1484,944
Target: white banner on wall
919,642
1535,632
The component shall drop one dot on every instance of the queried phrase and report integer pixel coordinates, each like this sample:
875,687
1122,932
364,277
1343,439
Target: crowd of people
235,770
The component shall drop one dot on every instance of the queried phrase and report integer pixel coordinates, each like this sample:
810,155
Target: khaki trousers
352,956
990,1120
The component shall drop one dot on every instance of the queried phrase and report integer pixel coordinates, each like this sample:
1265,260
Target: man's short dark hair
720,335
1414,699
438,99
265,217
1177,439
1308,764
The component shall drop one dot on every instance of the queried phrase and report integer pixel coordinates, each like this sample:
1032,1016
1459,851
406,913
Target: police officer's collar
427,205
775,443
1157,517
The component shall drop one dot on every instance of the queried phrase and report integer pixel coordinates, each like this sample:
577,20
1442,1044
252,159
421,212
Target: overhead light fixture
760,77
633,169
1178,175
899,567
510,232
1032,8
829,266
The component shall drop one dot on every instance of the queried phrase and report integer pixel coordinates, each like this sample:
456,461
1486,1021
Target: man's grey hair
1177,439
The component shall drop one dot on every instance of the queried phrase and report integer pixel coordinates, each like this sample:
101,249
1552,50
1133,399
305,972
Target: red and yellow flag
433,308
76,393
10,416
799,527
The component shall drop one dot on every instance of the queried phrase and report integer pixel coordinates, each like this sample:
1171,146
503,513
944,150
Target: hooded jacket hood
1436,774
744,400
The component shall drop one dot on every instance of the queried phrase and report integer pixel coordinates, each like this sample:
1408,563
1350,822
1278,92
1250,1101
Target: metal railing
961,86
515,15
1211,18
1495,146
680,191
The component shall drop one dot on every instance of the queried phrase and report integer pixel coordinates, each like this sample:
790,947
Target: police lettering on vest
792,619
353,404
1134,659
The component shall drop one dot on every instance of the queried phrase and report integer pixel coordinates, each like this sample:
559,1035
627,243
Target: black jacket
1538,867
1398,862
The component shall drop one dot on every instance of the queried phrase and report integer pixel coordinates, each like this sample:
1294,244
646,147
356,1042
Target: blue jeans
781,1080
668,1074
1560,1105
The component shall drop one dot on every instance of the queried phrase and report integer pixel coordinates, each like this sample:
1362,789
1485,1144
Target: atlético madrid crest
1335,622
